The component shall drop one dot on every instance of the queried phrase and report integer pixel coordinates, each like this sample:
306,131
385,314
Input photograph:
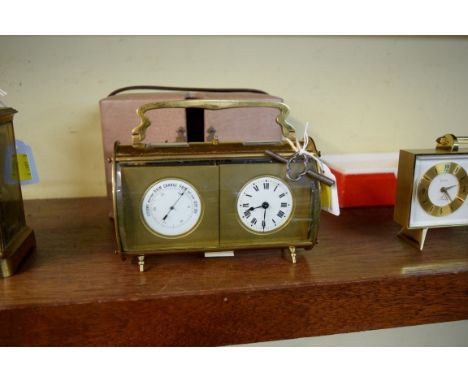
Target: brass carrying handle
139,132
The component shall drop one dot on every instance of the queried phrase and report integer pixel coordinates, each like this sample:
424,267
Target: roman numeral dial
264,204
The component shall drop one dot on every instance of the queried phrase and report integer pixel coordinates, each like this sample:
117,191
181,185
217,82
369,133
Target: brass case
406,181
402,210
218,171
16,238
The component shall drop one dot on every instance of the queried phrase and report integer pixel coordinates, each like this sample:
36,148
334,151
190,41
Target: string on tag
328,190
3,93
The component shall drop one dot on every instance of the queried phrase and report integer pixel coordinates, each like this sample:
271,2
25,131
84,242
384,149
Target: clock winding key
313,174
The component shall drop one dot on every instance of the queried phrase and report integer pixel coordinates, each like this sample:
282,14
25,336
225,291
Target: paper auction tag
329,194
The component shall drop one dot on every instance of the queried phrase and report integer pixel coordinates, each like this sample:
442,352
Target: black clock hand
165,216
173,206
264,219
253,208
263,205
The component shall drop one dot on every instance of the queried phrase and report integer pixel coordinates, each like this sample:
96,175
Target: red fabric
360,190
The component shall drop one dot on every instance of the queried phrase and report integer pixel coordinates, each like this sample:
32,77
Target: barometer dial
171,207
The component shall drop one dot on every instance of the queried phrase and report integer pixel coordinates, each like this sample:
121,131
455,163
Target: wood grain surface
75,291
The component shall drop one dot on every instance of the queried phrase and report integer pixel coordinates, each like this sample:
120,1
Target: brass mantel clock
16,238
210,196
432,189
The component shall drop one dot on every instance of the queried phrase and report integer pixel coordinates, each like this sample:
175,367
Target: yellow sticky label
325,196
329,194
21,171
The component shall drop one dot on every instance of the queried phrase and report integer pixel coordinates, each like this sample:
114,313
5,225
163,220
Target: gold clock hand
444,191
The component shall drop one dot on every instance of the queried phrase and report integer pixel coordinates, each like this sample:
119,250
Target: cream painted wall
360,94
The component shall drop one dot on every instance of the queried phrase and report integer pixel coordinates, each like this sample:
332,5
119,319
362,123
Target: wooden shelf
75,291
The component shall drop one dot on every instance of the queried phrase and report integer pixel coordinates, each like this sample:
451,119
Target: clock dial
171,207
264,204
440,191
443,189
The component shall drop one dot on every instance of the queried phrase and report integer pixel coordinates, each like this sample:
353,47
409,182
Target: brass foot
292,253
141,263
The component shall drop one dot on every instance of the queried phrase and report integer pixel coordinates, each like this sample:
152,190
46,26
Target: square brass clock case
218,171
416,169
16,238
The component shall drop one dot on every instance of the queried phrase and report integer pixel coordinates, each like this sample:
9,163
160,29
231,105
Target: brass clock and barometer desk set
213,196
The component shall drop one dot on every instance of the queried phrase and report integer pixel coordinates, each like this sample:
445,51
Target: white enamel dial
264,204
171,207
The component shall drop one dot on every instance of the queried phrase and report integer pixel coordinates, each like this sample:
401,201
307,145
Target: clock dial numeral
445,210
434,171
269,205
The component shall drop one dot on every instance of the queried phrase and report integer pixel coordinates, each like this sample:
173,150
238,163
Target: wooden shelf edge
242,317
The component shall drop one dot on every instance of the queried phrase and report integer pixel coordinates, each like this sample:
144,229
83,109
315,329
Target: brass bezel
423,189
284,225
185,234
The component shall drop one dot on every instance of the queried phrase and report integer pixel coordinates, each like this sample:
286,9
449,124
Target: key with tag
329,191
